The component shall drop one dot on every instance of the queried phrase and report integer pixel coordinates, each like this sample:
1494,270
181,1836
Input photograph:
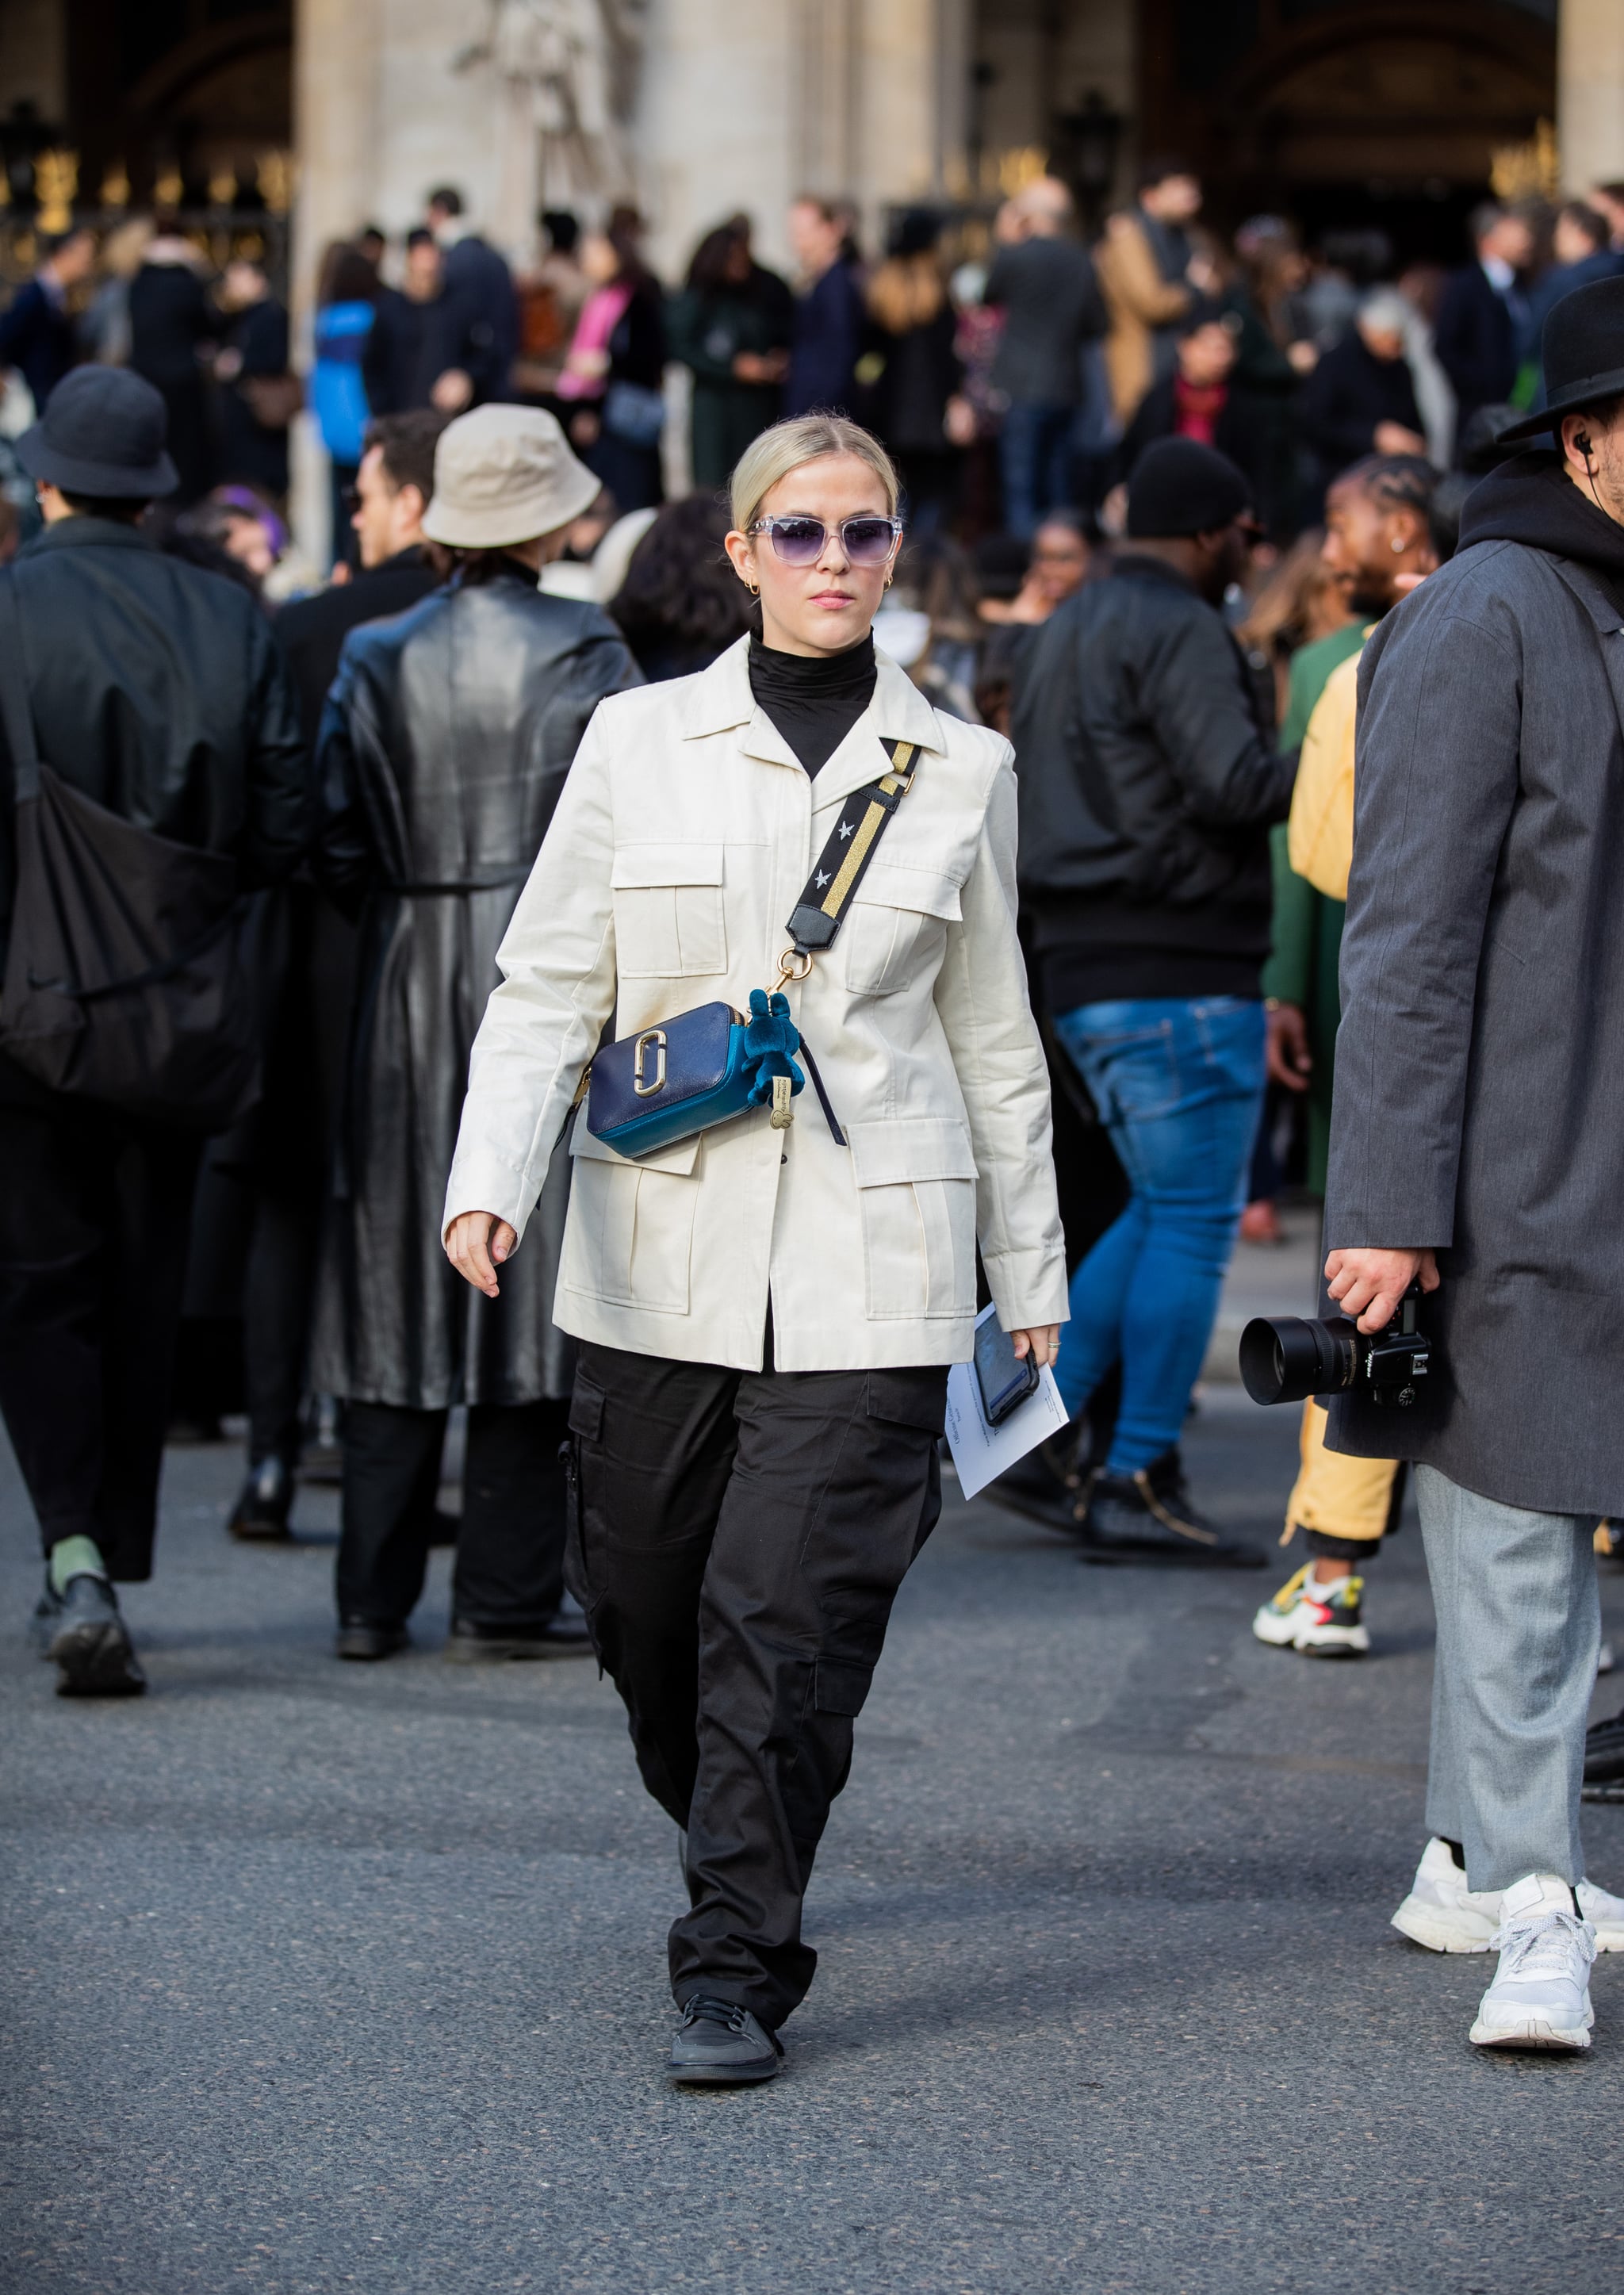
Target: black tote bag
124,979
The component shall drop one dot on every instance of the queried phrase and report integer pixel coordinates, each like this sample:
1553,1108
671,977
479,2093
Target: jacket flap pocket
678,1157
893,1149
893,885
641,867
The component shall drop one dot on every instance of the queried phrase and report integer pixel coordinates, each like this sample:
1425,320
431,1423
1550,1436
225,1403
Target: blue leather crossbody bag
707,1066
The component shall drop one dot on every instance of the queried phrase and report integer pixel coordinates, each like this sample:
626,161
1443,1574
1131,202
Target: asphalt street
324,1977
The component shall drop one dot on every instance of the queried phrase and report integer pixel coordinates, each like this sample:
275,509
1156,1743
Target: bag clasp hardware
657,1037
796,964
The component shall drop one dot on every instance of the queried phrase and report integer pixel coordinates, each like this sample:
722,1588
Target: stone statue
568,73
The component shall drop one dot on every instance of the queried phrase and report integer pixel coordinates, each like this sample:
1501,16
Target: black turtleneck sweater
814,699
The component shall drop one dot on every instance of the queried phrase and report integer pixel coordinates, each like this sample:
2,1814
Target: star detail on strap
822,878
848,828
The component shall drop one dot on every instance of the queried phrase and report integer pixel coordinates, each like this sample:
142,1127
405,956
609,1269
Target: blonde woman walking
767,1307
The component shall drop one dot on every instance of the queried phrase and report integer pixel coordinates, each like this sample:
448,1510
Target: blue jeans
1035,454
1178,1082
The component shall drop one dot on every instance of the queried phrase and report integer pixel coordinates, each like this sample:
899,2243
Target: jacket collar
1132,565
74,533
720,698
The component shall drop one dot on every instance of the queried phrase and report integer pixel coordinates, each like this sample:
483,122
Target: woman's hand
1042,1343
476,1244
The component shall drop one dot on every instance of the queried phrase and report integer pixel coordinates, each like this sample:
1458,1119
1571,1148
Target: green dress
1308,926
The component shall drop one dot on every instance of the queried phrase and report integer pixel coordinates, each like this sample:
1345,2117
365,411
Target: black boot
1148,1517
1050,1484
264,1501
720,2045
367,1643
82,1633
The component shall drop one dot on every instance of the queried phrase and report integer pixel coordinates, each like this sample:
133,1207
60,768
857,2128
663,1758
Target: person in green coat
1299,977
731,327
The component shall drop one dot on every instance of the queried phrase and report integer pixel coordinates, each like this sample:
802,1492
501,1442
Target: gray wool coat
1480,1066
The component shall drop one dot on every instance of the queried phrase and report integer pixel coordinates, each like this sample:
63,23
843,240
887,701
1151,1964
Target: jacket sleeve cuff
1028,1289
479,1183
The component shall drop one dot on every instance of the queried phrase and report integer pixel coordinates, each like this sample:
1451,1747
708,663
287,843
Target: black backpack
125,981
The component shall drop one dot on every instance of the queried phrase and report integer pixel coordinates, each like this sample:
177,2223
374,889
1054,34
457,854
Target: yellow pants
1343,1497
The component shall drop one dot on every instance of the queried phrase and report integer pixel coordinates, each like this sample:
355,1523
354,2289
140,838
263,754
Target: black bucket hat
1583,348
102,433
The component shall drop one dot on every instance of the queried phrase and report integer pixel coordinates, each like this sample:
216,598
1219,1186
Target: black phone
1006,1379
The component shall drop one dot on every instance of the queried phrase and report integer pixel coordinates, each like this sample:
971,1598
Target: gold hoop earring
755,588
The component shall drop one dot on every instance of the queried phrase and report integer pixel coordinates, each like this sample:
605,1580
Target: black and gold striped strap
821,910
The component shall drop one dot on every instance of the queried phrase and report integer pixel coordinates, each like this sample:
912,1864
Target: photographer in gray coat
1476,1147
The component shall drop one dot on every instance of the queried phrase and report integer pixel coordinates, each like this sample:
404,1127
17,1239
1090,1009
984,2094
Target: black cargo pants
738,1538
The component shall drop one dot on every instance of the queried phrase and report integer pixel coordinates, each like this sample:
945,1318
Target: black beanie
1179,487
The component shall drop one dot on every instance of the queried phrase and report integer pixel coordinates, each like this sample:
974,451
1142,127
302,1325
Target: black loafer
564,1635
1149,1517
264,1501
89,1642
367,1643
720,2045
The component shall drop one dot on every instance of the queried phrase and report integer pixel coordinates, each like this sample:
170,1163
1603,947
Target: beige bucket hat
504,474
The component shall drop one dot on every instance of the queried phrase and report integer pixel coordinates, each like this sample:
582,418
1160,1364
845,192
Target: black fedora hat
102,433
1583,348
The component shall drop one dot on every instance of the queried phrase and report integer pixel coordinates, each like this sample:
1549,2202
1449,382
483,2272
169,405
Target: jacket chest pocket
916,1193
896,930
668,912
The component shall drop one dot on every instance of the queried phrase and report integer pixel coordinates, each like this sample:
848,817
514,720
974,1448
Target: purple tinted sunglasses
798,541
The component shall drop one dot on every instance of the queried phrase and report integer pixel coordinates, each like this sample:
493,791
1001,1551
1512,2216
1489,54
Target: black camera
1287,1359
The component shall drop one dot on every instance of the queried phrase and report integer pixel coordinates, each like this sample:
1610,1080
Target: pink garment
601,314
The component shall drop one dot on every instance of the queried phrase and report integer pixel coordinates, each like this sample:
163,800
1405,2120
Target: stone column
1590,93
336,65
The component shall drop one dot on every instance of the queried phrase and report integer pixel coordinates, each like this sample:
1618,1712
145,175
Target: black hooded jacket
1532,499
1147,785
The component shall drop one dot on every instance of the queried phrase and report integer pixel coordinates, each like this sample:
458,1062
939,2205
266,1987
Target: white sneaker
1442,1912
1540,1995
1319,1621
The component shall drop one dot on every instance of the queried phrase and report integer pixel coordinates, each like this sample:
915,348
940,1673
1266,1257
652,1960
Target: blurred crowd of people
1018,374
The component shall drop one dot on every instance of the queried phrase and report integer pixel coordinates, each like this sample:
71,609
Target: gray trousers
1519,1627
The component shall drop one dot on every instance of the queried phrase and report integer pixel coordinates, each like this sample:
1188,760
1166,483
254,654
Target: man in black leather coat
444,745
1147,786
156,690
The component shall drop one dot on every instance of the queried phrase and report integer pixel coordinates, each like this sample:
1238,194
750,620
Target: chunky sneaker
1540,1995
82,1633
720,2045
1148,1516
1319,1619
1442,1914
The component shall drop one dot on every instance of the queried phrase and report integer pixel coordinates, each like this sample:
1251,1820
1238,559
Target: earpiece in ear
1581,439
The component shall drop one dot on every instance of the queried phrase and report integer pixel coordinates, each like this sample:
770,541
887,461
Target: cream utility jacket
681,842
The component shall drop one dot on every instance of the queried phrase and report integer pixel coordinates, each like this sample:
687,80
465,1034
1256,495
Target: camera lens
1290,1358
